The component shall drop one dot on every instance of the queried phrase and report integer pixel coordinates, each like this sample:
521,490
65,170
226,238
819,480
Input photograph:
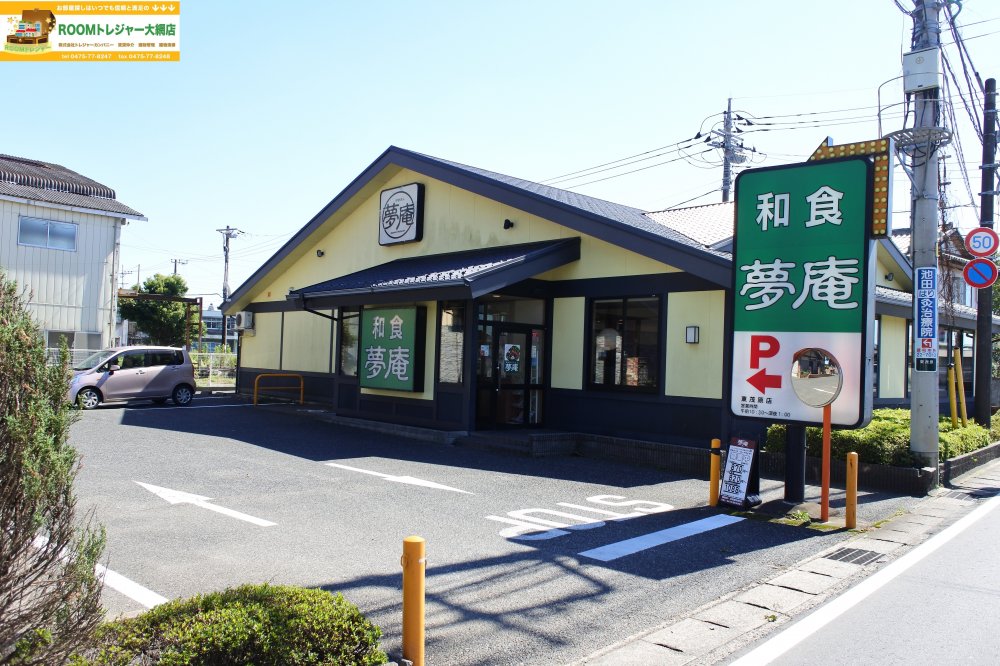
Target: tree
49,592
161,320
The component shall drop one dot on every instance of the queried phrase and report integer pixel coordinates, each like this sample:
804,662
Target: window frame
48,233
654,367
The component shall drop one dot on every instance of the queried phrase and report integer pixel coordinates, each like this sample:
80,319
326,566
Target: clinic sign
802,279
392,348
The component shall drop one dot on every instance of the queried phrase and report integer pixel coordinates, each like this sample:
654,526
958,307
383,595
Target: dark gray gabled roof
51,183
619,225
455,275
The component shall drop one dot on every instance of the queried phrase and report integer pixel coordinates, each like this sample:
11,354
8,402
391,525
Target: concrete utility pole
924,401
182,262
732,151
227,234
984,313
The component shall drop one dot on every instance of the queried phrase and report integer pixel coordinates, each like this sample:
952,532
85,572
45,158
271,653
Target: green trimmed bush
263,625
886,440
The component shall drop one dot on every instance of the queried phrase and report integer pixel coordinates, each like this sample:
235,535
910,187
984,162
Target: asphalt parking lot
530,560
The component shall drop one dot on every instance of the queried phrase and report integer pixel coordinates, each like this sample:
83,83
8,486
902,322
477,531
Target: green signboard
392,348
802,279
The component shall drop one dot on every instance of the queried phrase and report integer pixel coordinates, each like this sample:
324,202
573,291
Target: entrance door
510,389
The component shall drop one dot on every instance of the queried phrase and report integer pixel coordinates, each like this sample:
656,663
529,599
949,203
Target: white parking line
129,588
613,551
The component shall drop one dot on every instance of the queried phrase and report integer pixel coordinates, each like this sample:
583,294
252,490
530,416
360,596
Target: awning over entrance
451,276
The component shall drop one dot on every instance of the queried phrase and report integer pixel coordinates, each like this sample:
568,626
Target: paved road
220,493
938,604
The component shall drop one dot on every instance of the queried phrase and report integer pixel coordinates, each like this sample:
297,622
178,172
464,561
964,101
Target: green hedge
886,440
262,625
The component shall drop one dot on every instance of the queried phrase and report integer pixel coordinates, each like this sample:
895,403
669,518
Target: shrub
263,625
49,593
886,440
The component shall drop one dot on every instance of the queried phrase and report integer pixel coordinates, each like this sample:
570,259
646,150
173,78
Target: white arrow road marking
640,543
413,481
129,588
180,497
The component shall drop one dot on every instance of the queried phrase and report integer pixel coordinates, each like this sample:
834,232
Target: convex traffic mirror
816,376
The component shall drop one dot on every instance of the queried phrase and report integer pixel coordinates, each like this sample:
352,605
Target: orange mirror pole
825,492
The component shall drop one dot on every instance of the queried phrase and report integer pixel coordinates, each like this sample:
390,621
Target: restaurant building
435,294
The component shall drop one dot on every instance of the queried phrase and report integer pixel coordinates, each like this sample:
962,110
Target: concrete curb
712,632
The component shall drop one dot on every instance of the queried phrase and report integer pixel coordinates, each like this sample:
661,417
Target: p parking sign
802,279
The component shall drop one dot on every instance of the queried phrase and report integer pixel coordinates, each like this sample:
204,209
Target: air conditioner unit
244,321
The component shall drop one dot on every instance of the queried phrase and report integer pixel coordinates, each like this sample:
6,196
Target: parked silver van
133,373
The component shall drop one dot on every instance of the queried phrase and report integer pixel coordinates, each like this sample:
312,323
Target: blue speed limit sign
982,242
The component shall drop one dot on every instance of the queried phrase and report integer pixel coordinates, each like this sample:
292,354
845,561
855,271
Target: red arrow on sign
763,381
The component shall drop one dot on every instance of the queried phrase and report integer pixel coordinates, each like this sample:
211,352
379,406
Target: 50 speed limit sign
982,242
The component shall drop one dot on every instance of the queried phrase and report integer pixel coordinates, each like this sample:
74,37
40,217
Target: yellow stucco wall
430,362
568,333
306,343
695,370
892,358
262,350
454,220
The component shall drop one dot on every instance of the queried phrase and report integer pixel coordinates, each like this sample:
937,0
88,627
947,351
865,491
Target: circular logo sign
982,242
980,273
398,214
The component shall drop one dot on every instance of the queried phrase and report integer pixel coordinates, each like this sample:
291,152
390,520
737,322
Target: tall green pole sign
392,348
802,279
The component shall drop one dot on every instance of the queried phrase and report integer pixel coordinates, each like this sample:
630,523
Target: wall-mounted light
507,224
320,253
691,335
889,276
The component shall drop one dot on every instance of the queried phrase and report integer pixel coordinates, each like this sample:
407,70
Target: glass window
350,319
452,356
46,233
625,343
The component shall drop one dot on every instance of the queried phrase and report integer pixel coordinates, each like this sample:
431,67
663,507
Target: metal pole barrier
951,396
715,473
825,492
852,490
960,386
414,564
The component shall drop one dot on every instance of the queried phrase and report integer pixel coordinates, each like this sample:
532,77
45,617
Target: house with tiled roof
59,240
442,295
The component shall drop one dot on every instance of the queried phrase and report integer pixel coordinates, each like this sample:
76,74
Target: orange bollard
852,491
824,507
715,473
414,564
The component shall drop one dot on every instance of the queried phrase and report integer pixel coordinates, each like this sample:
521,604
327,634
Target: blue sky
272,111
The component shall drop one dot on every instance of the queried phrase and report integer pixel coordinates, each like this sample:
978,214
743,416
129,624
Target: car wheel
183,395
88,398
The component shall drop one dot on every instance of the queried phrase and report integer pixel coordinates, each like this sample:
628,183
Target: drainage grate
854,556
970,495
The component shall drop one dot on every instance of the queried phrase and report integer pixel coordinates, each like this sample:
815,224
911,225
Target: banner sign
925,312
802,278
392,348
94,31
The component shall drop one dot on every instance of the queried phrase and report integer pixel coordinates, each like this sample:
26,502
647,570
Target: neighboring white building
212,334
59,240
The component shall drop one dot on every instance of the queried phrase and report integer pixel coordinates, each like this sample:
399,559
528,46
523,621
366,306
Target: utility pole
182,262
732,150
924,401
984,313
227,234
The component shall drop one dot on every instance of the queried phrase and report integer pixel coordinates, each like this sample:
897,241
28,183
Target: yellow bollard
951,396
414,564
852,490
960,386
715,473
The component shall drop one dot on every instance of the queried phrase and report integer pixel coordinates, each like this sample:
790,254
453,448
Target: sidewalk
711,633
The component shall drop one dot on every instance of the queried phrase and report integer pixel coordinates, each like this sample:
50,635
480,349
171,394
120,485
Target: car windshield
94,359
